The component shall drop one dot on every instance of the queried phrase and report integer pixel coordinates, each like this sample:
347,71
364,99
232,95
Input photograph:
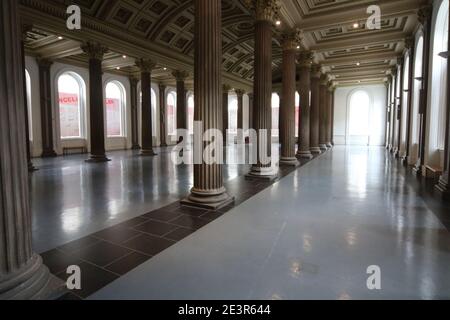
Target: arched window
275,114
404,115
171,113
190,104
417,87
297,111
359,115
232,114
28,88
439,80
71,105
115,109
154,120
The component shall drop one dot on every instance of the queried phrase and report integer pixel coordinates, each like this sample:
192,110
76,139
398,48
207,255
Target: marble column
225,113
401,67
240,115
315,109
208,191
96,52
388,113
394,109
45,90
22,273
409,45
134,114
287,100
146,67
304,132
31,167
265,12
443,185
250,110
162,115
323,109
332,115
330,91
180,77
425,19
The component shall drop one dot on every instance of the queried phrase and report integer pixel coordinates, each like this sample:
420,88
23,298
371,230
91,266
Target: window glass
69,94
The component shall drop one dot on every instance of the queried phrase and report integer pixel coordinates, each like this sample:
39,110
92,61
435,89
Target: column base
316,150
397,154
213,200
31,167
97,159
262,173
163,144
305,154
293,162
136,147
443,188
148,153
32,282
417,170
323,147
49,154
329,145
405,161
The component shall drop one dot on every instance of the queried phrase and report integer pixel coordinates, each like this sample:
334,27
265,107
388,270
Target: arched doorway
358,118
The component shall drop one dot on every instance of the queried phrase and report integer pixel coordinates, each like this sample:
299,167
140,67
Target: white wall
377,94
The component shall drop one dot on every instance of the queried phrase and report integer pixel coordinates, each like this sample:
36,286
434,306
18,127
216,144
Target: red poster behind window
69,115
113,117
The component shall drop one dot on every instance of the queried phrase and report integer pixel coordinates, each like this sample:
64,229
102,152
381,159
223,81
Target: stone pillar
31,167
225,113
181,76
96,52
265,12
45,86
240,115
323,119
401,67
287,100
208,191
134,114
424,17
409,44
304,132
146,67
443,185
250,111
388,113
162,115
22,273
315,109
394,109
330,90
332,115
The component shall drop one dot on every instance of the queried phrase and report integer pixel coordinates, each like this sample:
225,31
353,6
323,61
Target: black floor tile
127,263
57,261
179,234
116,235
156,228
213,215
189,222
78,244
162,215
92,279
133,222
195,212
102,253
148,244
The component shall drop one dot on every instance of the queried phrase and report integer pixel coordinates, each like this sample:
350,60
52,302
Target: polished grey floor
312,235
72,199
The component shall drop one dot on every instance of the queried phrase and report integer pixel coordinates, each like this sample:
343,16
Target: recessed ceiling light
355,25
165,68
60,38
118,68
124,56
298,47
278,22
358,64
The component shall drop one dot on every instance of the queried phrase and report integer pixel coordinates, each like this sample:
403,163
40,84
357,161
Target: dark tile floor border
106,255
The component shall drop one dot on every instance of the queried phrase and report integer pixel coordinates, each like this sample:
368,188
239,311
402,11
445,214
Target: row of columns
395,123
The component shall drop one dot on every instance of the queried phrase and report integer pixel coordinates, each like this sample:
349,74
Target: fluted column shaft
181,99
22,273
410,44
330,90
162,115
323,120
332,115
287,105
45,86
146,67
400,108
134,114
96,112
250,111
208,190
240,114
225,112
394,111
315,110
304,132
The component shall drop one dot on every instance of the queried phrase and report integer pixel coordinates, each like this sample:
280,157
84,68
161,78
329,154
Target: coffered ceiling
163,30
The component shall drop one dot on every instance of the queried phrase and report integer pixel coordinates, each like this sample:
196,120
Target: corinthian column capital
305,58
265,10
424,14
239,92
94,50
316,70
226,88
292,40
409,42
146,65
180,75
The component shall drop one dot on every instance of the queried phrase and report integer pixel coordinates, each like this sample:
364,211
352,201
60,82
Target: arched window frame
171,121
29,104
417,86
349,105
275,114
232,113
81,103
122,108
